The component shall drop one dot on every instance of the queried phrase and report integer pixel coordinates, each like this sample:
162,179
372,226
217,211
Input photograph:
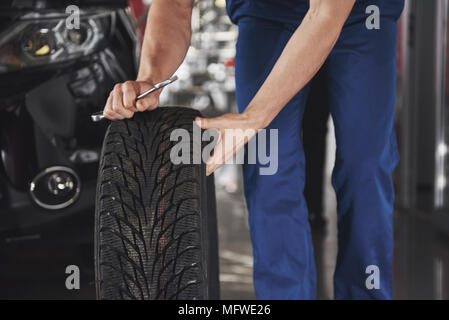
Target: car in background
52,78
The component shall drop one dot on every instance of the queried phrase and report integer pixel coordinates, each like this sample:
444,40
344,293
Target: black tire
155,222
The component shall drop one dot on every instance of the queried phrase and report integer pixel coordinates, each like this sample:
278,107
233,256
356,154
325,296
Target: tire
155,222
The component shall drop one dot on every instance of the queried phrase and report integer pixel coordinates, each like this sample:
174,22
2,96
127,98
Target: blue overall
361,79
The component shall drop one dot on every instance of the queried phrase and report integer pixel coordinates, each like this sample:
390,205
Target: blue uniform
361,79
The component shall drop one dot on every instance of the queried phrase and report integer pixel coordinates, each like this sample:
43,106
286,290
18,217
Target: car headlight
41,39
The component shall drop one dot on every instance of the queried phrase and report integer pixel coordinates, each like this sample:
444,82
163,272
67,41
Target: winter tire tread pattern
155,221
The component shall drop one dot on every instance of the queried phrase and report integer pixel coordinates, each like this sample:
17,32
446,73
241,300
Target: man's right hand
165,45
122,102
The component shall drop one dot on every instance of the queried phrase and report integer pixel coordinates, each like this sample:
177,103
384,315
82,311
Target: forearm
302,57
166,39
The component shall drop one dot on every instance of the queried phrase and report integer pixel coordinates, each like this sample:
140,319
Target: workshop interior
52,79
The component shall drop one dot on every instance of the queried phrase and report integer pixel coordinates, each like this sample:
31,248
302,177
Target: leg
314,133
284,265
362,78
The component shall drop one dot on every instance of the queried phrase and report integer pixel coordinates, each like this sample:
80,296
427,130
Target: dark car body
48,89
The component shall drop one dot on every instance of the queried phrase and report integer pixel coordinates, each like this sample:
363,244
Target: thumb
208,123
147,103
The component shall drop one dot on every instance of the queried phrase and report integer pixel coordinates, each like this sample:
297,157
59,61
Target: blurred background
52,78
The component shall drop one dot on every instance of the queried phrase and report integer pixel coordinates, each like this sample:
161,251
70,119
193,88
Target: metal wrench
98,116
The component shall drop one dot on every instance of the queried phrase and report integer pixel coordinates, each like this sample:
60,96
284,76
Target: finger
108,112
117,104
215,164
225,150
150,102
217,159
204,123
129,96
214,123
211,168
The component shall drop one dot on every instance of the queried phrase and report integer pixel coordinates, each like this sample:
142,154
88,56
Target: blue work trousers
361,83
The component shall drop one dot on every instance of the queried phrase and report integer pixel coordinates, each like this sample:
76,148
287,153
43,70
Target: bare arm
166,41
300,60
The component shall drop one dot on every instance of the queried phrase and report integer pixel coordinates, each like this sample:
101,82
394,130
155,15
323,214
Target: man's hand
311,43
235,130
122,102
166,41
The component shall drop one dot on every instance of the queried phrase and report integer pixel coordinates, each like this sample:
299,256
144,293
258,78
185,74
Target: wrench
98,116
